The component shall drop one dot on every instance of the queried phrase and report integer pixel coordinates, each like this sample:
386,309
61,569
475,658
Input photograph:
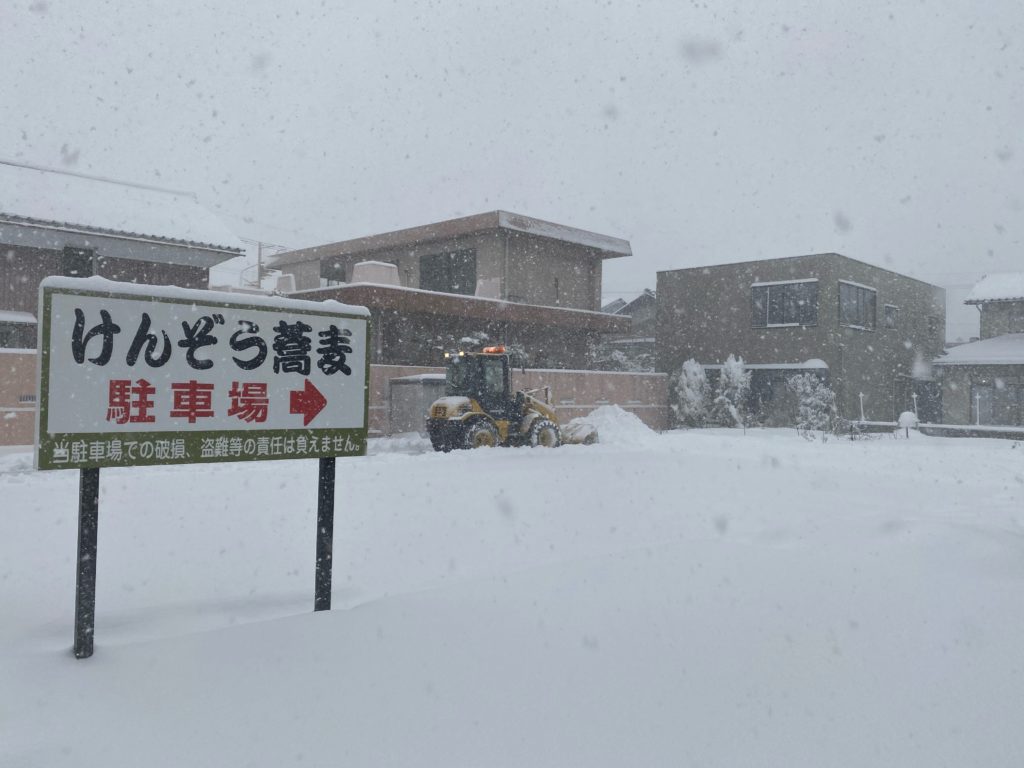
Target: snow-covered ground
702,598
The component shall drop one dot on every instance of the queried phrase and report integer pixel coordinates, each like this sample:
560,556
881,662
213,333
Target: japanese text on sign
118,362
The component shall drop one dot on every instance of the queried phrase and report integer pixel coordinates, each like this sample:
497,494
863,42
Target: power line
77,174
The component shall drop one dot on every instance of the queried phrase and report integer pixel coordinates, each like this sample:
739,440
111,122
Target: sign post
135,375
85,581
324,535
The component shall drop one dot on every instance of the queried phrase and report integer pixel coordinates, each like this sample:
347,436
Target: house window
76,262
784,304
892,316
857,306
453,272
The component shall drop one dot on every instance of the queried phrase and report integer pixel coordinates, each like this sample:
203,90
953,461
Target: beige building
520,281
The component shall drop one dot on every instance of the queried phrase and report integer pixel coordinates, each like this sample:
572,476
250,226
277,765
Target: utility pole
259,264
261,272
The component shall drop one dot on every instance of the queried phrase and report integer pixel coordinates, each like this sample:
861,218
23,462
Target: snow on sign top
999,286
68,200
135,374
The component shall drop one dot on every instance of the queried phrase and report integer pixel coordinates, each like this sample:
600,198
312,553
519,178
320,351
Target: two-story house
517,280
983,381
865,329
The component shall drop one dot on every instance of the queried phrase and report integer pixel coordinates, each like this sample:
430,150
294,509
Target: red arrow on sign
309,402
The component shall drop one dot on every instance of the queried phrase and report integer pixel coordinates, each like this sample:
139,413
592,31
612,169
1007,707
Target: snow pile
616,426
15,460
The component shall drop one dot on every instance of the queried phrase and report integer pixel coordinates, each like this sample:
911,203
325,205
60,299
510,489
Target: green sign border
46,442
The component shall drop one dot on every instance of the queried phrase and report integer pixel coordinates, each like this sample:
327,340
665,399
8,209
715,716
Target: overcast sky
703,132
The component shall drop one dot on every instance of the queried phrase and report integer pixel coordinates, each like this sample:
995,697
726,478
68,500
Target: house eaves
999,286
602,246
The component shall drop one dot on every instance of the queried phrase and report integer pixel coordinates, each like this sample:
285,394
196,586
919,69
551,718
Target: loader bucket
579,432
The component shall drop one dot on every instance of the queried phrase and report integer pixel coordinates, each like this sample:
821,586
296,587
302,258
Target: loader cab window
493,370
459,378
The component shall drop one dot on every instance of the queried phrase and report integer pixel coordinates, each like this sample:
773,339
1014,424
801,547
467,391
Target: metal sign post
324,535
85,584
136,375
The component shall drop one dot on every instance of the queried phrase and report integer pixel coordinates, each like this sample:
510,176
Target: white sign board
136,374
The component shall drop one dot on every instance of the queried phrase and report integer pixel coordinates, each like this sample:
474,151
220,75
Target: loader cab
481,376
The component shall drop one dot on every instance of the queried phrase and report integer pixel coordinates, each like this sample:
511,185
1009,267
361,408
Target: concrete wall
573,393
705,314
307,273
17,396
552,273
999,317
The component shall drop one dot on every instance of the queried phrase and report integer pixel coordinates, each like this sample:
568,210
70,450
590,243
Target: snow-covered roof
1007,349
595,240
77,202
9,316
999,286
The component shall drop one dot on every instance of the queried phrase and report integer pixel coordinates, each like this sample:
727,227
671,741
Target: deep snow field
696,598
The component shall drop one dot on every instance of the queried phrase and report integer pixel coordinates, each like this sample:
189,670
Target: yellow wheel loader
480,409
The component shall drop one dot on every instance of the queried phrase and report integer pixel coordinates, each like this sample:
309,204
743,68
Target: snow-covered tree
604,357
692,395
730,403
816,402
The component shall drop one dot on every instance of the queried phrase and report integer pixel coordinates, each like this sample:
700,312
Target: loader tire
544,432
480,434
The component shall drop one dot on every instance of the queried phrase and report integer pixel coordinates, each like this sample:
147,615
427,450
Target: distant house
61,223
634,349
518,280
983,381
865,329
